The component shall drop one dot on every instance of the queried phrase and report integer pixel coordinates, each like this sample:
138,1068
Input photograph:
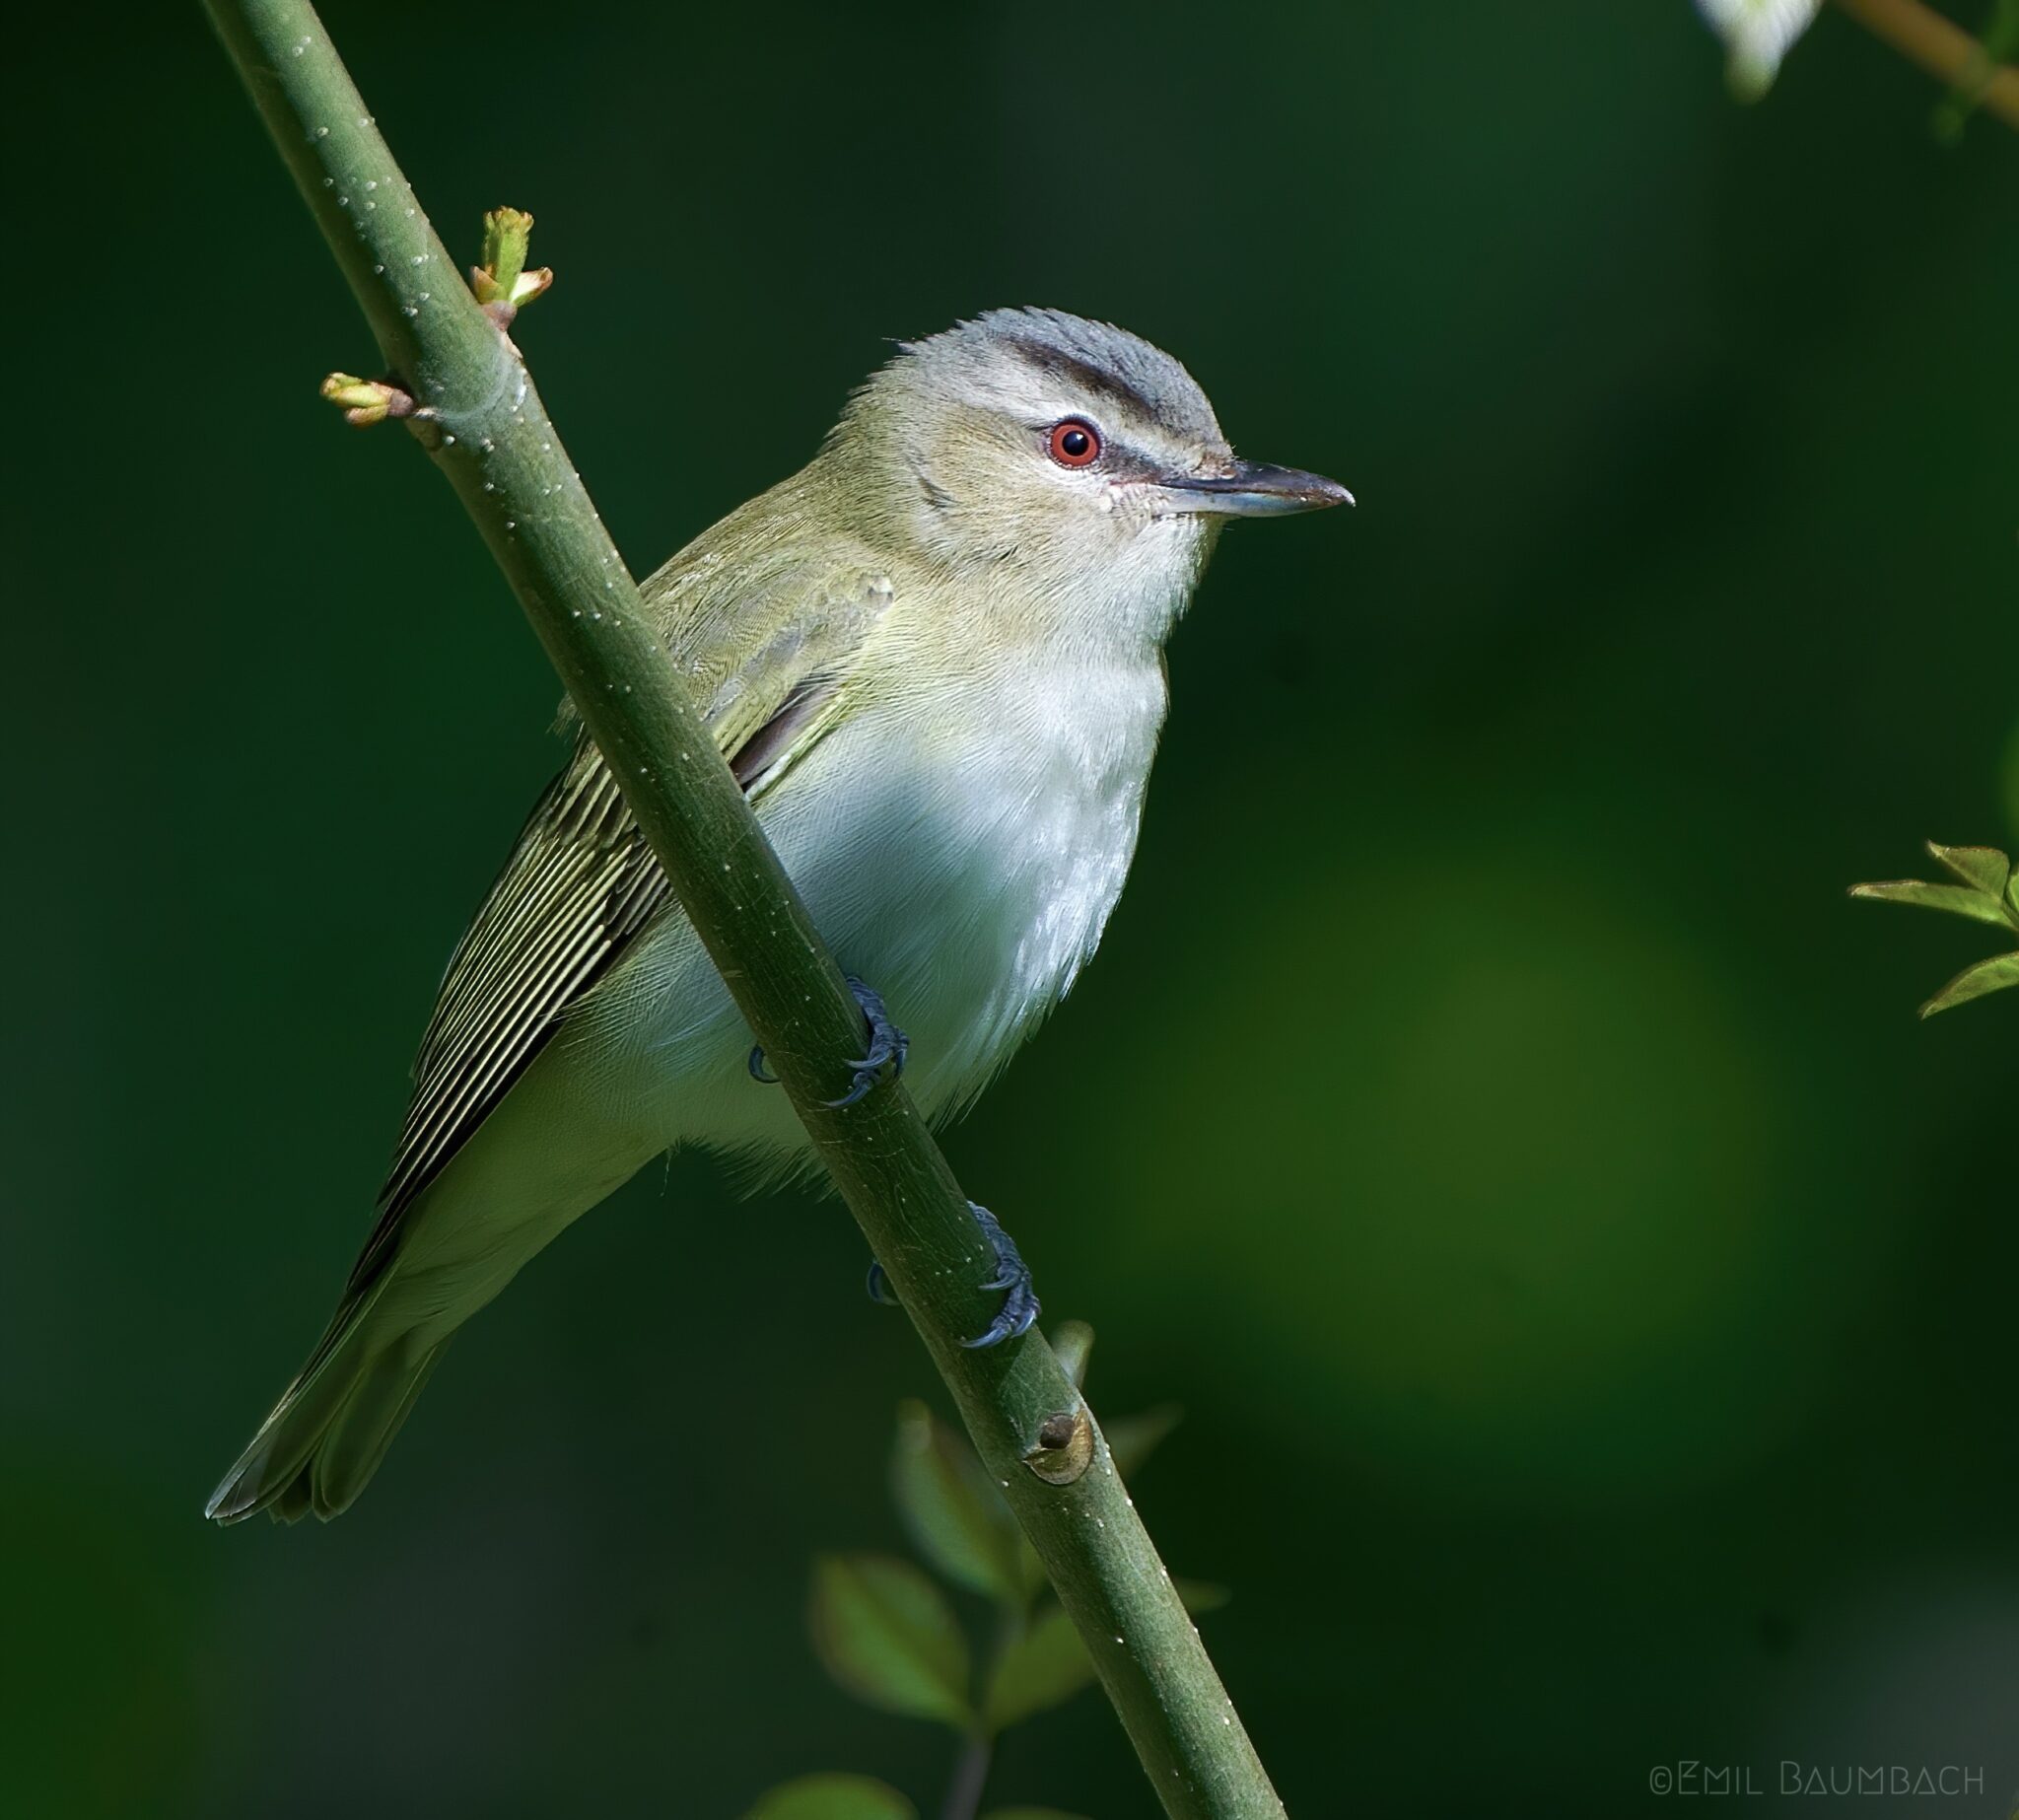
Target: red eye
1074,443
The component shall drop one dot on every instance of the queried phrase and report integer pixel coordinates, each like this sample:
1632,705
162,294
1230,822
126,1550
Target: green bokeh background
1592,1292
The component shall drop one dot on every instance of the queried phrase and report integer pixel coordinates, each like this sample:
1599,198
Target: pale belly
965,873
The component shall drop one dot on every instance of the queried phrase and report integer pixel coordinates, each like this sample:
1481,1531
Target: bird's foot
889,1047
1012,1275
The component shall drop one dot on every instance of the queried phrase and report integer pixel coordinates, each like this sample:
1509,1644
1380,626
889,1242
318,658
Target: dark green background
1592,1292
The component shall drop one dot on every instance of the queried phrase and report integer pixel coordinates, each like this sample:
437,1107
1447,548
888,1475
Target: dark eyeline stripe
1083,373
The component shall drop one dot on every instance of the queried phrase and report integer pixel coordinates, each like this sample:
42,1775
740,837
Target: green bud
365,402
502,282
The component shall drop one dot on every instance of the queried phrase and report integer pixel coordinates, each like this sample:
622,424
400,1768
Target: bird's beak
1253,490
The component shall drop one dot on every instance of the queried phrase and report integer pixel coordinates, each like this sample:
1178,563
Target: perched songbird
935,660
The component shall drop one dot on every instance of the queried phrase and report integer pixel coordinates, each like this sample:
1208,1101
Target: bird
934,657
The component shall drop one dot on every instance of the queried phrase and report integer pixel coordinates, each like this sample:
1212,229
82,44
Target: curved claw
888,1045
878,1286
864,1080
1020,1306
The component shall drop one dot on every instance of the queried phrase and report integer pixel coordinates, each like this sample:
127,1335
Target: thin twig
1943,49
476,410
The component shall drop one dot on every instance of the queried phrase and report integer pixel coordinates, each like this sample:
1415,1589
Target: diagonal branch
478,414
1923,36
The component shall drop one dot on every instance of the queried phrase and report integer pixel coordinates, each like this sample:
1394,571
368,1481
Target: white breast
965,866
963,862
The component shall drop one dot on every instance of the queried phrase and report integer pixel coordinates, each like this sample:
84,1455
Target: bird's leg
889,1047
1012,1275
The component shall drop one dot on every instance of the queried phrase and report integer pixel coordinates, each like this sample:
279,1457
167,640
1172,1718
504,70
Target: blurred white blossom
1756,34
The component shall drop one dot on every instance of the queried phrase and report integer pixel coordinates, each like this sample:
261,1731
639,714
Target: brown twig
1945,50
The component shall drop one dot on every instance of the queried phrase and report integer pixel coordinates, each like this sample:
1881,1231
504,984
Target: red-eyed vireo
935,659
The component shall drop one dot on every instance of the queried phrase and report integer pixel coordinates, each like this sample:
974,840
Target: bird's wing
769,666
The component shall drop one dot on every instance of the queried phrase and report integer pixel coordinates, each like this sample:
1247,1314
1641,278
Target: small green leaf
1132,1440
2000,35
1044,1667
951,1509
1072,1342
1974,982
1956,900
885,1633
1984,868
1202,1595
832,1797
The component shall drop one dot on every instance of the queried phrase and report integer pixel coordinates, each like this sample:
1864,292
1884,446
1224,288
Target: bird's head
1069,453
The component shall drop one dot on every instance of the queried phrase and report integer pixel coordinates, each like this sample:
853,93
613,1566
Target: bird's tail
324,1439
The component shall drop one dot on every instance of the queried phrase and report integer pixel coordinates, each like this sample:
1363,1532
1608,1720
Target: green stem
970,1777
483,422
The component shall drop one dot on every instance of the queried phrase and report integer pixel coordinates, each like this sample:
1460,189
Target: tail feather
324,1439
364,1426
